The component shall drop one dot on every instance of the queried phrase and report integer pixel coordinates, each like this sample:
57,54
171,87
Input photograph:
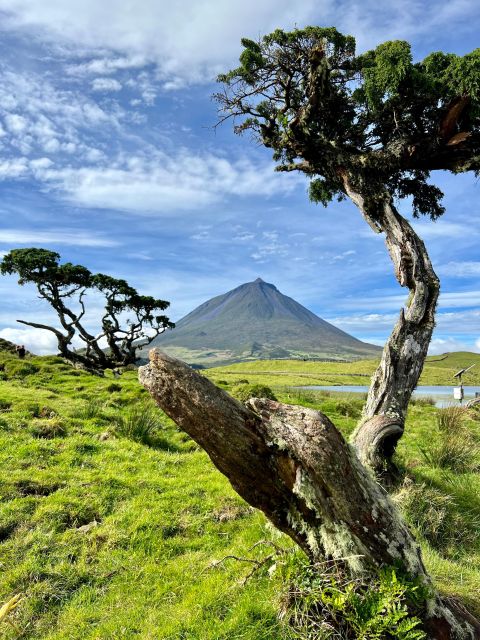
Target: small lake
443,396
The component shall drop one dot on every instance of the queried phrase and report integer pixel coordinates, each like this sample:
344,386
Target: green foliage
297,372
113,387
244,392
89,409
321,603
349,408
381,117
385,71
423,401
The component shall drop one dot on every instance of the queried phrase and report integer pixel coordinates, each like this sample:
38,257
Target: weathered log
294,465
406,349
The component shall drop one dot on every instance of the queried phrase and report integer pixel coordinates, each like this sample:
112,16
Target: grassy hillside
111,519
438,370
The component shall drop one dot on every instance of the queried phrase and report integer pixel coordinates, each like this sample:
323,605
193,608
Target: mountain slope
256,321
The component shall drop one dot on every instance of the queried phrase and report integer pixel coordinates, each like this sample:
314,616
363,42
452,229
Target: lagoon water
443,396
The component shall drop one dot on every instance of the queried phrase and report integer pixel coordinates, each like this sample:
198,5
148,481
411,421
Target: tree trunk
294,465
392,384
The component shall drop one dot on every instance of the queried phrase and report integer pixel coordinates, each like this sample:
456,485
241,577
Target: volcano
256,321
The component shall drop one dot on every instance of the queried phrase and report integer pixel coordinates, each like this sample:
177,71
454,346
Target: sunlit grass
109,529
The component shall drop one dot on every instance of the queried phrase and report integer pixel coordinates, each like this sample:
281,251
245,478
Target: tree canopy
324,110
65,286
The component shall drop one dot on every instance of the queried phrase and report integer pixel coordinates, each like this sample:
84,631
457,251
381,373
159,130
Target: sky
109,156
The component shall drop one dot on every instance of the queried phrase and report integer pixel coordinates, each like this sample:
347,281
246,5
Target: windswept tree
129,320
371,128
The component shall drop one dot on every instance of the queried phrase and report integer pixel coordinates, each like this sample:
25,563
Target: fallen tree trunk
294,465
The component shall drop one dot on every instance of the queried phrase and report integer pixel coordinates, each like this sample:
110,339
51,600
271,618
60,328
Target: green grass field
438,370
112,520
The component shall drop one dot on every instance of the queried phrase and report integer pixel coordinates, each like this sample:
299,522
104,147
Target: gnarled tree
65,286
371,128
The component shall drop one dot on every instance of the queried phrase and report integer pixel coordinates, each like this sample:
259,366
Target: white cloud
40,163
106,84
191,40
465,269
443,345
54,237
382,303
165,184
14,168
37,341
15,123
458,322
43,119
441,229
106,66
194,39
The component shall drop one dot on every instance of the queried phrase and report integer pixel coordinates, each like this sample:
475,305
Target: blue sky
108,155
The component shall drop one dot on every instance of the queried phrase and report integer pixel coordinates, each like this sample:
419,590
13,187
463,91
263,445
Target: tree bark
392,384
294,465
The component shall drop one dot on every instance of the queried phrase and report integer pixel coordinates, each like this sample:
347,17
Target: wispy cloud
193,40
465,269
106,84
162,183
55,237
188,42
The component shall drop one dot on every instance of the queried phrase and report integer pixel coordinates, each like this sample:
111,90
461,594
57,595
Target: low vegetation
113,524
438,370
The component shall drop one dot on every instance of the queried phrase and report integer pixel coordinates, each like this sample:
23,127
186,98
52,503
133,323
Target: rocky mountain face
256,321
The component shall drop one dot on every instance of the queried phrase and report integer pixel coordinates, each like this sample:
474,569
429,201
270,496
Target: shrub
349,408
47,412
48,428
113,387
302,396
92,408
451,419
244,392
36,410
140,422
5,405
455,448
33,408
